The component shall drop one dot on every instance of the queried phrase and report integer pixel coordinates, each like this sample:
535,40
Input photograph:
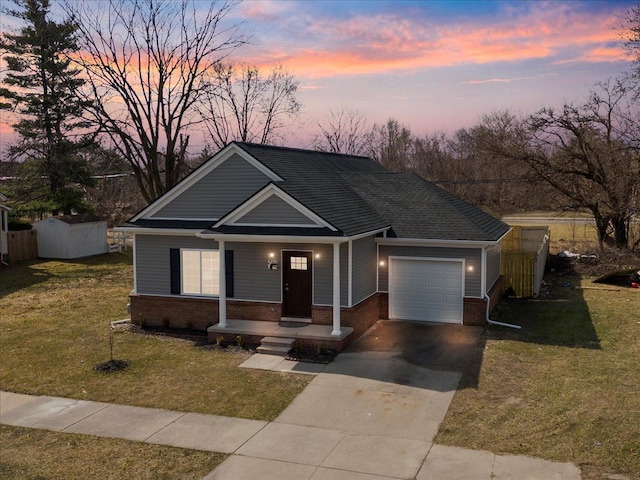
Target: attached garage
426,289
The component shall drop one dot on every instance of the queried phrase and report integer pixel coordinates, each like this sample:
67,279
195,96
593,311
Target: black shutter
174,265
228,265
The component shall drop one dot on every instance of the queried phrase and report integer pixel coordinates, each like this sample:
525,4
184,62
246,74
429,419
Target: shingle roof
419,209
356,195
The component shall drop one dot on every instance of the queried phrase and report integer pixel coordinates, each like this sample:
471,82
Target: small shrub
219,340
190,324
240,341
166,322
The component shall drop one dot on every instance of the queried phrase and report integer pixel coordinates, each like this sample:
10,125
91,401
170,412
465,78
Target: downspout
493,322
488,299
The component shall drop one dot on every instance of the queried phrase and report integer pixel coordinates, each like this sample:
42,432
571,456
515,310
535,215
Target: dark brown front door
296,284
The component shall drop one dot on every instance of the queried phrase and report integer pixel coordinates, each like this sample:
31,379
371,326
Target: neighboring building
72,236
4,229
327,239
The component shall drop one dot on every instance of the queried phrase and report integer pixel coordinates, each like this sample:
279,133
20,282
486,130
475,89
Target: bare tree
148,62
393,146
591,154
630,32
248,106
344,131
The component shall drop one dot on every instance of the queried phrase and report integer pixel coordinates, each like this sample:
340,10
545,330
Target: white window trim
199,250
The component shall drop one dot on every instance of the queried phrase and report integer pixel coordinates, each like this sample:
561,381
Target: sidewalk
367,416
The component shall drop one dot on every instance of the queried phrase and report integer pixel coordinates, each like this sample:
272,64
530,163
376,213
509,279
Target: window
200,272
298,263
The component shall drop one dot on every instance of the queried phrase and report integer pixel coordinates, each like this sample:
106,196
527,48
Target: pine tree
42,89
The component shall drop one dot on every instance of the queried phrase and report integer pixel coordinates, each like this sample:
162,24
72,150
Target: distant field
574,233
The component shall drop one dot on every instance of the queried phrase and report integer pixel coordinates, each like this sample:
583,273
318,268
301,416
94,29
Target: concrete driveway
372,415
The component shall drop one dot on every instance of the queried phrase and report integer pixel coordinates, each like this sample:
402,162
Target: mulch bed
312,355
111,366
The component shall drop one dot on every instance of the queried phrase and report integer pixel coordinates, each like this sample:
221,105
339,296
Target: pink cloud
377,43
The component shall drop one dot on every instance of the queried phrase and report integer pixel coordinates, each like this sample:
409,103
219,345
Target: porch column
222,294
336,290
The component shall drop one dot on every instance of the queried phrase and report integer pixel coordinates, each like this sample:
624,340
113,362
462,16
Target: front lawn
29,454
55,327
566,387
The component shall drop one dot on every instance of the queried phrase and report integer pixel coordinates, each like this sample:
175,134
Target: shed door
426,290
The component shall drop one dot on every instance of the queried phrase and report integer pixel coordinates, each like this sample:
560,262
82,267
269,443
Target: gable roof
313,179
348,195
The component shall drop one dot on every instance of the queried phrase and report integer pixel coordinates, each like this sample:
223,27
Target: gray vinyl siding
213,196
254,281
153,276
275,211
364,258
473,256
494,255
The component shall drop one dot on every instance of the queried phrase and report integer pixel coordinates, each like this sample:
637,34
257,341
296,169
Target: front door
296,283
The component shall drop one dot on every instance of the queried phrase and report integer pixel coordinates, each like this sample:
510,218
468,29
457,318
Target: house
4,229
331,241
72,236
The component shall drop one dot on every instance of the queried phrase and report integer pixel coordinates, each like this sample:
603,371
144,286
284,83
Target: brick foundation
173,312
200,313
360,317
474,311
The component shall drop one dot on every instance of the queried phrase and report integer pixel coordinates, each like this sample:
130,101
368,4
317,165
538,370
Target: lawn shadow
558,317
20,275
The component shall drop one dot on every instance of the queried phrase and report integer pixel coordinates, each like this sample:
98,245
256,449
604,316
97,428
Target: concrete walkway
366,416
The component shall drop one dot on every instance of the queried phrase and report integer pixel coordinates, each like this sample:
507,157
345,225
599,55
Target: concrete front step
275,346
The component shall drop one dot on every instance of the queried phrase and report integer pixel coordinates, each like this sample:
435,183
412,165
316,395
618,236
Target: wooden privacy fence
524,256
22,245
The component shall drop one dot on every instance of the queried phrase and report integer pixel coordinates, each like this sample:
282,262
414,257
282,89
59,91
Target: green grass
55,328
29,454
566,387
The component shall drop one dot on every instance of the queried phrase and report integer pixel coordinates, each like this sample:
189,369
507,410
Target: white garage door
425,289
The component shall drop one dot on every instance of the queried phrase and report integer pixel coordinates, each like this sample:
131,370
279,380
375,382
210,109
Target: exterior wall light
470,268
382,263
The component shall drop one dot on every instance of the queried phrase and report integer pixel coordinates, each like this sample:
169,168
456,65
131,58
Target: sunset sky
437,65
433,65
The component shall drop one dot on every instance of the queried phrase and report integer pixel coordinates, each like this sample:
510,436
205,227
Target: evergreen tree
41,88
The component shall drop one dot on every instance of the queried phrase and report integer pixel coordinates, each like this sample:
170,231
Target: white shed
72,236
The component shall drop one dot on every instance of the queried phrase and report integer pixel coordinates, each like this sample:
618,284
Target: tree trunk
620,231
